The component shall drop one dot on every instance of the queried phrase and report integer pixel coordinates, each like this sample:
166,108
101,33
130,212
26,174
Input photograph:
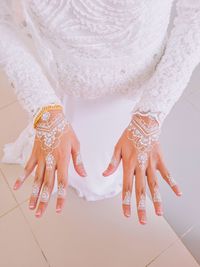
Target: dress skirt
98,124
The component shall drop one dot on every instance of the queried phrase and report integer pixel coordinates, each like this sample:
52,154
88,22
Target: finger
128,174
154,189
77,161
114,163
49,178
28,169
37,185
62,176
140,192
168,177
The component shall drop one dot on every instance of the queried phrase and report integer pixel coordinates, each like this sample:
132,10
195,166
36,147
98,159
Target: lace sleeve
32,87
181,56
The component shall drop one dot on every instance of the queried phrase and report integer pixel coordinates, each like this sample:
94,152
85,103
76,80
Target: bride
98,85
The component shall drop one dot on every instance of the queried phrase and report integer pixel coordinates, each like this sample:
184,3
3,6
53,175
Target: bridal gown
101,60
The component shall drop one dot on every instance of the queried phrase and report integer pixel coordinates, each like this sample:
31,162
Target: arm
182,55
32,87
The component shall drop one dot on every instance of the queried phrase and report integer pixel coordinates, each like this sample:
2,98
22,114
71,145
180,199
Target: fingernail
31,206
84,173
38,213
143,222
58,209
180,193
15,187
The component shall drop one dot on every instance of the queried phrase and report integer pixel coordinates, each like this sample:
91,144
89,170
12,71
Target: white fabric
98,49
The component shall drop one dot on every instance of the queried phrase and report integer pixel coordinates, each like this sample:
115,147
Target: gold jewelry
45,109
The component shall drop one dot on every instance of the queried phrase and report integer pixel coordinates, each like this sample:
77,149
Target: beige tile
14,119
7,93
176,255
17,244
11,172
7,200
97,234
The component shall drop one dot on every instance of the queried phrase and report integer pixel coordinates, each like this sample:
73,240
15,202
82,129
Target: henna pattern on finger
127,198
50,160
114,161
45,194
35,190
143,134
171,180
78,159
21,178
156,195
142,202
61,191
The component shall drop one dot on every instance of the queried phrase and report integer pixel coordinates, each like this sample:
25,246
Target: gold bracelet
45,109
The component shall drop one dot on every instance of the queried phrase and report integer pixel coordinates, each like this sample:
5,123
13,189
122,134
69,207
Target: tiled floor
96,233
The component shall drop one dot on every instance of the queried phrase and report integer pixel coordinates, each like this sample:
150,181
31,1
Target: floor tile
97,234
7,200
11,172
17,244
176,255
180,142
14,121
192,241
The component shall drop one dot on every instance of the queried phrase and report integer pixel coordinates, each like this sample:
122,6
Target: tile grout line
19,206
35,238
148,264
9,104
172,244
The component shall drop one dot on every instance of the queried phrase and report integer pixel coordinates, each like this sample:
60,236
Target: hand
54,142
141,155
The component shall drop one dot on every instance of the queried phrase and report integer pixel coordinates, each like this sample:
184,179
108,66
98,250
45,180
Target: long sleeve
32,87
173,72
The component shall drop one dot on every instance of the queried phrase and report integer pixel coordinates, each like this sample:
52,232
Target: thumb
78,163
114,163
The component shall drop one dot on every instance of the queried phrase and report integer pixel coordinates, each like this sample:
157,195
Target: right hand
45,174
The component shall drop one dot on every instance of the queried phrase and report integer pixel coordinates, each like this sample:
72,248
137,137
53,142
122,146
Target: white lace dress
102,60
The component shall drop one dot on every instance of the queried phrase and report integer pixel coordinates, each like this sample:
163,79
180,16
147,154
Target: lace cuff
181,56
32,87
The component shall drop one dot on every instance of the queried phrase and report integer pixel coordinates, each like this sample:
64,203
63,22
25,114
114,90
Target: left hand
129,149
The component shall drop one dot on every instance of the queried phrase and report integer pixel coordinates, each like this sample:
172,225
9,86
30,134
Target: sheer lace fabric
96,48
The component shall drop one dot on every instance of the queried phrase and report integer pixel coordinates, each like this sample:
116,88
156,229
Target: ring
45,194
127,198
